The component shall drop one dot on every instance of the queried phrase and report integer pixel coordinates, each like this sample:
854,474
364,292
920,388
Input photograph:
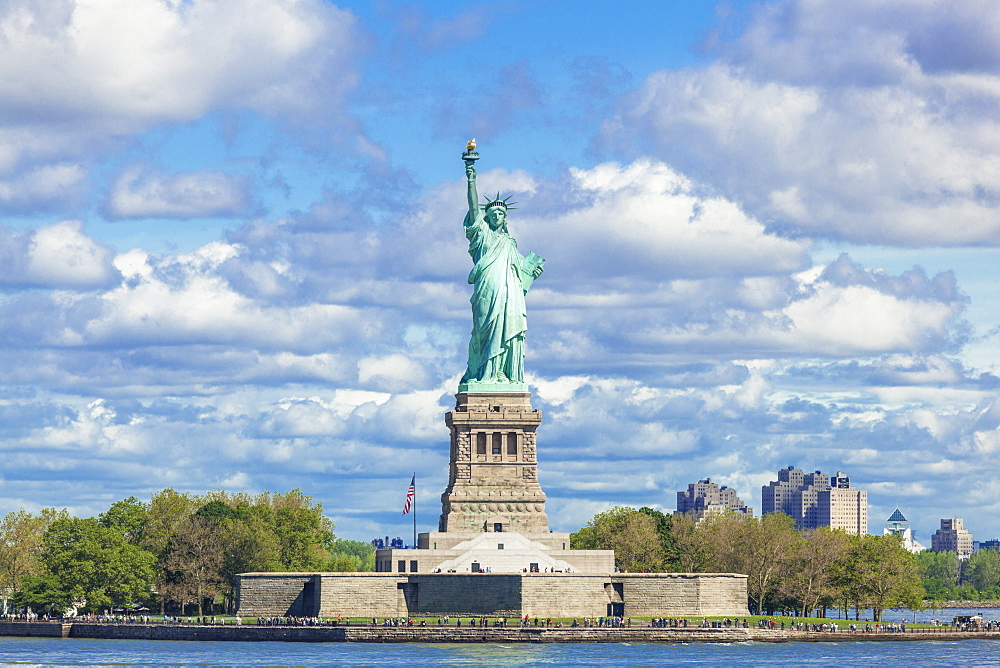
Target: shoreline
452,634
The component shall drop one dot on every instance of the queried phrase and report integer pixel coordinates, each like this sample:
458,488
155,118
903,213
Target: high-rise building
952,537
705,498
898,525
815,500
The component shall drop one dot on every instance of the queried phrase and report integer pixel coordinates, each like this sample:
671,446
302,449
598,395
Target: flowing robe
499,316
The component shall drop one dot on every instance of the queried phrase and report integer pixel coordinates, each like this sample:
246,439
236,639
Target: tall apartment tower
705,498
816,500
952,537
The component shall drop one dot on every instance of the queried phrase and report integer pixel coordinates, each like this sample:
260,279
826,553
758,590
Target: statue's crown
503,203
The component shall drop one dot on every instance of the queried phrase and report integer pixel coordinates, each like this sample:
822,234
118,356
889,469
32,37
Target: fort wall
491,594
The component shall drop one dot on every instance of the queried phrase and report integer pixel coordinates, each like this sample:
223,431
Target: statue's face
496,217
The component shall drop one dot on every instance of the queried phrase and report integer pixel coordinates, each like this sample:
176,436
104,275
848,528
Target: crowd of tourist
774,624
299,621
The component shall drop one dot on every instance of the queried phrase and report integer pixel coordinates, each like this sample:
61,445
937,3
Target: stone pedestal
493,472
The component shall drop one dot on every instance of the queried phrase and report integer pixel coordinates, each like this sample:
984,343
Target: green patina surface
501,277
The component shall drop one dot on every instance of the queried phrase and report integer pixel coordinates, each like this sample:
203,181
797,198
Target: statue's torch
470,156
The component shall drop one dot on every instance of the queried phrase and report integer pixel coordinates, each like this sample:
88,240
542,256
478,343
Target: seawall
464,634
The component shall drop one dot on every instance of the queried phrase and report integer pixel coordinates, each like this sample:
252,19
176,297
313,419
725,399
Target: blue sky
233,255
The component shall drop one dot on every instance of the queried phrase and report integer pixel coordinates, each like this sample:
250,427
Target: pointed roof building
897,516
898,525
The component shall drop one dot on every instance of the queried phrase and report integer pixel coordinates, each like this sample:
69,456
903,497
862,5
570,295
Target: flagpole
410,505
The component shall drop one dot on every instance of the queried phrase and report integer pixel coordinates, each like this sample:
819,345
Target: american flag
409,495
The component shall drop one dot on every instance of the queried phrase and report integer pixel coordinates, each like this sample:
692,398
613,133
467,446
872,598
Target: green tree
219,510
938,572
298,524
21,535
664,529
631,534
304,533
268,532
693,552
350,556
758,547
877,572
168,511
250,546
584,539
809,578
43,594
982,570
193,562
96,564
128,517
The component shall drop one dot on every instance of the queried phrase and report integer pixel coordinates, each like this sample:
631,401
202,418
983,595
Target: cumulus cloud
149,61
805,314
81,77
60,255
185,299
681,329
43,188
594,437
848,120
600,229
645,218
677,339
138,193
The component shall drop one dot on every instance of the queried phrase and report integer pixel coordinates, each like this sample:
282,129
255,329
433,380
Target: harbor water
83,652
89,652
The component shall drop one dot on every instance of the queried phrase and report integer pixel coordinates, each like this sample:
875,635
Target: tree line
788,570
948,578
179,553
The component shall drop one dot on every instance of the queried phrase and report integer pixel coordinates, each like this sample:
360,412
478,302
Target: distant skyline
233,256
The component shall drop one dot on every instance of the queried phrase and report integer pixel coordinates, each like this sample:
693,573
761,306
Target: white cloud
43,187
302,354
149,61
59,255
860,320
391,373
81,77
300,417
184,299
830,313
645,218
62,254
850,119
153,194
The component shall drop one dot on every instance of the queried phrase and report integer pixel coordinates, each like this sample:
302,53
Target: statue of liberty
501,276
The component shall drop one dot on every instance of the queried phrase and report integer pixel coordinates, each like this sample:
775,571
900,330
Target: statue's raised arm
501,276
470,175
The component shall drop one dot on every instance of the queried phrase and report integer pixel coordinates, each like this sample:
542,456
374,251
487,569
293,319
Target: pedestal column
493,471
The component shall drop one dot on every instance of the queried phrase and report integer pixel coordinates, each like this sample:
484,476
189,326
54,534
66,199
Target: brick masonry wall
362,594
484,594
34,629
276,594
722,594
492,594
466,634
565,595
683,594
